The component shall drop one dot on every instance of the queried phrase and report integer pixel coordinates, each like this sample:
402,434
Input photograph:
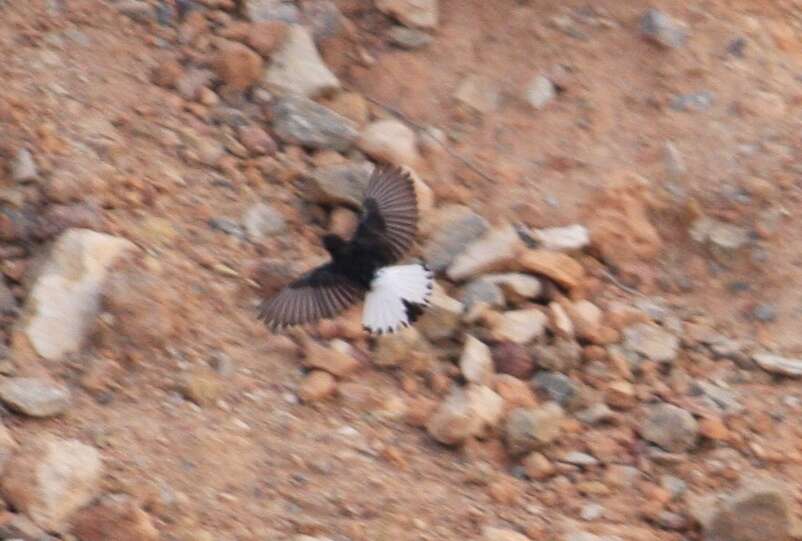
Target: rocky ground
610,195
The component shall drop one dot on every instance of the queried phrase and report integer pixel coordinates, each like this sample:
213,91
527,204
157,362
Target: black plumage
385,232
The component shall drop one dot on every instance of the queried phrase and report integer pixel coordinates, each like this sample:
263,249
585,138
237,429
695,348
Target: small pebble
591,511
540,91
23,168
664,30
408,38
580,459
737,47
765,312
696,102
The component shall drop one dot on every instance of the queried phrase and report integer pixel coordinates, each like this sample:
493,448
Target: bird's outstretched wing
389,212
320,293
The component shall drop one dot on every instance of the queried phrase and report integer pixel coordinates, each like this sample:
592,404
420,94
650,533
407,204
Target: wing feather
390,211
319,294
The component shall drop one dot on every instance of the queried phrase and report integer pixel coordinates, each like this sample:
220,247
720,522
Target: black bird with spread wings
395,295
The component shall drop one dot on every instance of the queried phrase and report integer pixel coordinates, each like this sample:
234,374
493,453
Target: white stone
495,250
23,168
779,365
520,326
540,91
415,13
262,220
516,285
63,302
49,479
478,94
488,404
563,239
501,534
392,141
465,413
297,68
476,362
442,318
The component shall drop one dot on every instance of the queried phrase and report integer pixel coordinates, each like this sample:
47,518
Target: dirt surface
252,463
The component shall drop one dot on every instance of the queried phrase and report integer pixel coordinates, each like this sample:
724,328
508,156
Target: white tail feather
385,310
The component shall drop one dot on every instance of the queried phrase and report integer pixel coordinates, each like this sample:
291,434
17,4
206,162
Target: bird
364,266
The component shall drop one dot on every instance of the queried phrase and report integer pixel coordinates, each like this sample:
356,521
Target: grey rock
413,13
530,429
516,285
34,397
540,91
300,121
391,141
442,318
401,347
737,47
341,184
596,414
64,300
501,534
191,83
23,168
674,162
456,227
324,18
722,400
777,364
7,447
229,116
725,347
271,10
655,308
723,238
674,485
206,151
222,364
488,404
669,520
561,356
227,226
297,68
591,512
496,250
137,10
765,312
652,342
49,479
663,29
670,427
520,326
568,393
695,102
482,291
759,511
8,303
165,15
408,38
563,239
21,528
579,459
465,413
476,362
585,536
478,94
262,220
